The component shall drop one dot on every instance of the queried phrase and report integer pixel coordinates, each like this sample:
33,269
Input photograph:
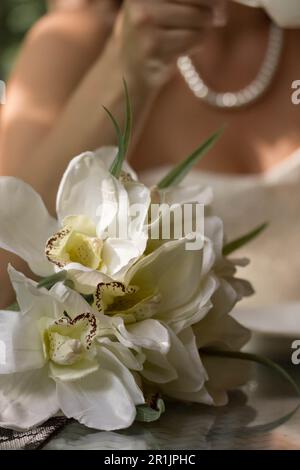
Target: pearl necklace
247,95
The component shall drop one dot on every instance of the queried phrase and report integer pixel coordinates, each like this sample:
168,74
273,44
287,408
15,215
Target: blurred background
16,18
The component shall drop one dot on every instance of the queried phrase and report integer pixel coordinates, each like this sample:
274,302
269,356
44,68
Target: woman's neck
232,55
245,18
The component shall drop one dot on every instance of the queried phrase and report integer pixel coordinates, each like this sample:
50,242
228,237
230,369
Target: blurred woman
238,67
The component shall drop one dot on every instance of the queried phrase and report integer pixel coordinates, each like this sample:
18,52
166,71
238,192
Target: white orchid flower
218,329
51,360
91,205
191,293
170,284
170,362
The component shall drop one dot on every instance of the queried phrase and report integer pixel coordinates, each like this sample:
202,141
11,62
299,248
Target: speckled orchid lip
69,245
128,302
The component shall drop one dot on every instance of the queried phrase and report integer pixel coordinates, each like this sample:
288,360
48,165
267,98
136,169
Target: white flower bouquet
120,320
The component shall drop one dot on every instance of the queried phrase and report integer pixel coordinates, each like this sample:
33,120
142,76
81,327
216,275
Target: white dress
244,202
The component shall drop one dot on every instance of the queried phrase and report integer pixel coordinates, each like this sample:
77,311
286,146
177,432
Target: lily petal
25,224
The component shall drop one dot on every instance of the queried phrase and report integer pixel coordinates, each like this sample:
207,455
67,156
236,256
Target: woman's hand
152,34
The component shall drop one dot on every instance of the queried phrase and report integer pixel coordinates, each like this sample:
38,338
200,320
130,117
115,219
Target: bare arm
57,55
72,64
69,68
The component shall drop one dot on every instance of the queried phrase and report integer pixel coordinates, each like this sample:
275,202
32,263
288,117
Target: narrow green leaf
178,173
50,281
116,166
243,356
123,138
13,308
238,243
89,298
129,119
146,414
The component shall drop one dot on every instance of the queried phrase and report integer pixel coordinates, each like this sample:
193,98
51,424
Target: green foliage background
16,18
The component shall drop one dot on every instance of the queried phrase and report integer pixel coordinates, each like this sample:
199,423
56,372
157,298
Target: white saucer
274,328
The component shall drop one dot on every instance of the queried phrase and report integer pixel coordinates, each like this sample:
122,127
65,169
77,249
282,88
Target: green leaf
123,138
129,119
243,356
13,308
147,414
238,243
50,281
178,173
116,165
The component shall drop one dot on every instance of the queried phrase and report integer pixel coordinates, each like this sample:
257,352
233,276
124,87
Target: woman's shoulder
62,45
80,25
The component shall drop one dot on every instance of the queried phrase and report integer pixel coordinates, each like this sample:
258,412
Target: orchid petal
25,224
77,371
85,279
183,194
110,362
85,186
73,302
26,399
100,401
148,334
118,253
214,231
157,369
33,300
184,356
223,376
20,343
133,358
182,278
216,331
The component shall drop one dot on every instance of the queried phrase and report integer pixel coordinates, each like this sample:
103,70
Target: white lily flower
52,361
91,203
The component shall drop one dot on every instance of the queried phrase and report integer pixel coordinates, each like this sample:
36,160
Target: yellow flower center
129,302
67,341
76,242
64,350
84,250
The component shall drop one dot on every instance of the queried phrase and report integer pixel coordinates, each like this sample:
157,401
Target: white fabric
286,13
244,202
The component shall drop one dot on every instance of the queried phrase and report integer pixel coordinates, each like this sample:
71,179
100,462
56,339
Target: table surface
262,403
